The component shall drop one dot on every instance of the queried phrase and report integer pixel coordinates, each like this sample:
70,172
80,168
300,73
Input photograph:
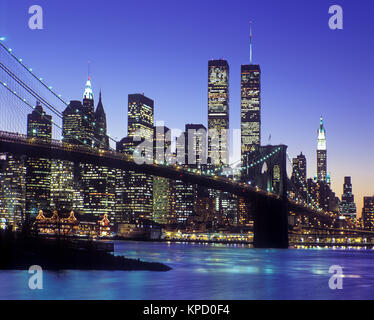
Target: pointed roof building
100,126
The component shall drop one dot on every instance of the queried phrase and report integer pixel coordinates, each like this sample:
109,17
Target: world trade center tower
218,112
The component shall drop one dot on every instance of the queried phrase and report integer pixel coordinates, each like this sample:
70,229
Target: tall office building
299,168
218,112
191,153
321,153
299,177
72,118
98,182
195,145
162,197
140,128
38,170
250,108
250,114
93,186
12,189
62,185
347,205
368,213
100,128
88,114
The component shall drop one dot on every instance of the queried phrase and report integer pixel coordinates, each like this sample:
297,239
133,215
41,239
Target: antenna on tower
250,42
88,69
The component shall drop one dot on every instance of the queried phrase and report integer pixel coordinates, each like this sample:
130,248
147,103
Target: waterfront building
12,189
347,205
218,112
38,170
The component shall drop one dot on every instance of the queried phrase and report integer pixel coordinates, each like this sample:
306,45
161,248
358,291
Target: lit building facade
140,128
88,115
218,112
12,189
299,176
162,197
321,153
347,205
100,127
38,170
250,116
250,107
368,213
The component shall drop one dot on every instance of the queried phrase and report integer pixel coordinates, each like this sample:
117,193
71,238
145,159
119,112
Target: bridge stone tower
271,215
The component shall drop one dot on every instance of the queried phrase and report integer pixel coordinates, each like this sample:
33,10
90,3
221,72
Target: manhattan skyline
307,69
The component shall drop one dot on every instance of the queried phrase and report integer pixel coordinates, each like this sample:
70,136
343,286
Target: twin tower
218,108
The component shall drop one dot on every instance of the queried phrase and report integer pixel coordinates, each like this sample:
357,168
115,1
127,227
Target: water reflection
207,271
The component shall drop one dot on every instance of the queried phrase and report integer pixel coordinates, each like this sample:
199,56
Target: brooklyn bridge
274,206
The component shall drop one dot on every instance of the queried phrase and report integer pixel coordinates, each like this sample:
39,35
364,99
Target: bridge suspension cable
40,80
304,187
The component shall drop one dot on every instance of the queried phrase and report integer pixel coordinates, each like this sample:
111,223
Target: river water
208,271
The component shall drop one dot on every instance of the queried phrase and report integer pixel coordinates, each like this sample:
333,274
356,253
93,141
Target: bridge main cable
49,88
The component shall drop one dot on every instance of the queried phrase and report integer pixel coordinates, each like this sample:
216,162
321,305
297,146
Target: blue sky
162,48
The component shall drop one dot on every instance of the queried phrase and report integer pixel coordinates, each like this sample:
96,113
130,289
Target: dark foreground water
208,272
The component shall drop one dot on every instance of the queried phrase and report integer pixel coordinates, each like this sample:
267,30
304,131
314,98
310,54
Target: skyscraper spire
250,42
321,153
88,93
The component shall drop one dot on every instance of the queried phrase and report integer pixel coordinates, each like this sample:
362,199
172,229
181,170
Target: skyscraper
12,189
191,144
88,114
162,197
368,212
94,186
195,145
250,114
140,128
321,153
72,119
218,112
250,108
38,170
299,168
347,205
100,128
299,177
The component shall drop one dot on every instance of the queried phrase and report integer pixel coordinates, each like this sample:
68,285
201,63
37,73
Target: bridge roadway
263,201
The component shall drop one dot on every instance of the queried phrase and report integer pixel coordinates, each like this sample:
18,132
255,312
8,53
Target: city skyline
304,140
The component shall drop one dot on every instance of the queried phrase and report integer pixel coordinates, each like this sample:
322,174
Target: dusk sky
162,48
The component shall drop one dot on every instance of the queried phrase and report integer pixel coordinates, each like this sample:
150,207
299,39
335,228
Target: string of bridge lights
34,108
25,101
39,79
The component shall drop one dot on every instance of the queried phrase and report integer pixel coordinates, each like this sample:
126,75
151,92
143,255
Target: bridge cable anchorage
49,88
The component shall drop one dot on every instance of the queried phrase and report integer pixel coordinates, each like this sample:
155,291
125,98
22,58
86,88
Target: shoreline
19,253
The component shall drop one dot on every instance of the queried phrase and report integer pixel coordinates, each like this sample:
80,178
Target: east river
208,271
